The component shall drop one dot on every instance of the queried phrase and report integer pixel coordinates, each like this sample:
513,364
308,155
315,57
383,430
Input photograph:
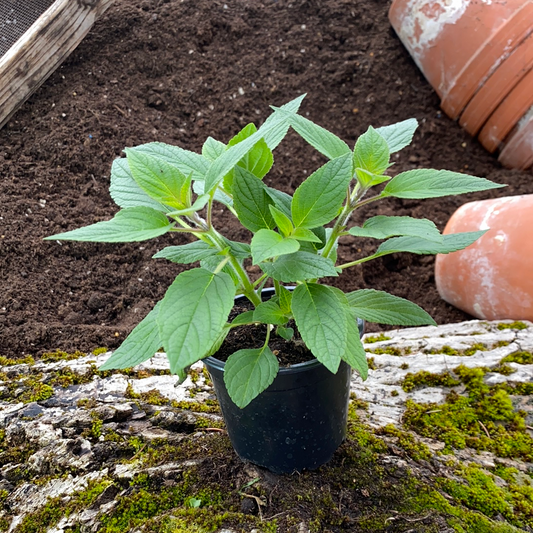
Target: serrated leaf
129,225
125,191
384,308
229,159
306,235
218,342
189,163
283,222
281,200
240,250
212,149
186,253
399,135
354,352
371,152
428,183
193,313
319,198
285,333
416,245
318,137
322,322
243,319
248,373
219,195
299,266
198,205
274,130
258,160
285,298
160,180
270,312
267,244
251,201
139,346
383,227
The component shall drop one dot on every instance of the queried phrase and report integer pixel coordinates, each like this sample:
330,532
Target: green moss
153,396
447,350
390,350
522,358
477,347
33,390
483,420
86,403
371,363
427,379
357,403
513,325
26,360
394,393
378,338
99,351
413,446
404,366
207,406
61,356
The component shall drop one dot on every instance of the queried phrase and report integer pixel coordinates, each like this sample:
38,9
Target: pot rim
292,369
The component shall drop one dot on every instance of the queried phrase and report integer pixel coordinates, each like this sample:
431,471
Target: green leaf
282,200
126,192
186,253
384,308
428,183
299,266
128,225
383,227
305,235
198,205
417,245
219,195
283,222
189,163
160,180
285,298
267,243
251,201
318,137
355,354
212,149
371,152
258,160
270,312
139,346
285,333
193,313
218,342
399,135
322,322
319,198
274,129
229,159
240,250
248,373
243,319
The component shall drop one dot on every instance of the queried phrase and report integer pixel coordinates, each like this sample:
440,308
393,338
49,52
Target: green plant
162,188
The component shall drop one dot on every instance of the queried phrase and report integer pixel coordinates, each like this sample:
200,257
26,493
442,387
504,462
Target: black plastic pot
297,423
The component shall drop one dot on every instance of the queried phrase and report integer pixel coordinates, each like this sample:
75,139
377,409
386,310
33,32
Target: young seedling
162,188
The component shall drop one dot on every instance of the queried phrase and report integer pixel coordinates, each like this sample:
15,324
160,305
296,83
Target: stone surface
64,433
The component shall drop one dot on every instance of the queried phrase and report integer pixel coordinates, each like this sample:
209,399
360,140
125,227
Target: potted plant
282,418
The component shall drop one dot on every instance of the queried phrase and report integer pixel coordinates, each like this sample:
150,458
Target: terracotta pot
514,106
498,86
518,150
458,44
491,279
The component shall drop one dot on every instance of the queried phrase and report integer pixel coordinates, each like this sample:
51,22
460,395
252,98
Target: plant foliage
162,188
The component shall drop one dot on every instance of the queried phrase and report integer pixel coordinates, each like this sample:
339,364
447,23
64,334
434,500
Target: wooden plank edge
42,49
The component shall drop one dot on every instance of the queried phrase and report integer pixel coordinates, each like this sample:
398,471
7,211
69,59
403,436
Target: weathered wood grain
44,46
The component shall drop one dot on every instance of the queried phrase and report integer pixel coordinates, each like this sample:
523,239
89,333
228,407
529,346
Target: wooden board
44,46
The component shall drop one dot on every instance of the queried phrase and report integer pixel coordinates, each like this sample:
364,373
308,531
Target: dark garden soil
179,71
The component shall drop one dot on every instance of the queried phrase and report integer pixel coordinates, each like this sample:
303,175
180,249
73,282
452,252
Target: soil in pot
300,420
